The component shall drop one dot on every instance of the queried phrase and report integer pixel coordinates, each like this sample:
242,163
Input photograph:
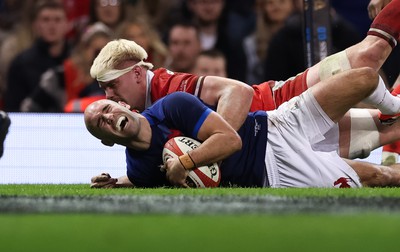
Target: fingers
101,177
184,185
103,180
373,9
375,6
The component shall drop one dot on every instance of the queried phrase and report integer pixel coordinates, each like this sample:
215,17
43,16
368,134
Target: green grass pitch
40,218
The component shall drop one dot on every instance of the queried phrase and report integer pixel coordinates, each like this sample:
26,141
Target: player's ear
124,105
107,143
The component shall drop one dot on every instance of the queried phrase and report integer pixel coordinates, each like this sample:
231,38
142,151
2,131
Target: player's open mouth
121,123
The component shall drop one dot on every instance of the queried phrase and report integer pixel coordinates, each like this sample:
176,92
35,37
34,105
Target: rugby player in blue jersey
286,147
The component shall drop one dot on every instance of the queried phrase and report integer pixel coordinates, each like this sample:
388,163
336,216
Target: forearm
219,141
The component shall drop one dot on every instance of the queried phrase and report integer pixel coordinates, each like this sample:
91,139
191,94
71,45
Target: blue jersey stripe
200,122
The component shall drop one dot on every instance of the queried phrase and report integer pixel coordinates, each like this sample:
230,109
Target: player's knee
369,78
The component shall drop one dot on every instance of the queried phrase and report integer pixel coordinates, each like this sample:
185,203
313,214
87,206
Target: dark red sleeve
165,82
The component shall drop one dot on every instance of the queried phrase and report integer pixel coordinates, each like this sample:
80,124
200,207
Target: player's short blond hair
116,52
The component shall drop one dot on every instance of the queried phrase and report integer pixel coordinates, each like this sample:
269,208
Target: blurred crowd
48,46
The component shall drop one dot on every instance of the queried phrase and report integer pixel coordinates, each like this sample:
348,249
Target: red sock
393,147
396,90
387,24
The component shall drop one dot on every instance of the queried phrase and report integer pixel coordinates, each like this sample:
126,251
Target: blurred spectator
210,62
160,14
207,14
49,49
78,18
241,17
183,47
65,86
10,14
147,37
212,18
271,16
285,55
109,12
20,34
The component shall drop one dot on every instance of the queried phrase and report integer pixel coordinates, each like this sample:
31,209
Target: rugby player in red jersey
124,75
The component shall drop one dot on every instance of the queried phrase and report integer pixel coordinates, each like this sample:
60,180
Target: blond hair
116,52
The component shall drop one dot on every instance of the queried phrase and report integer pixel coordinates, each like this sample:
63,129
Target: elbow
247,91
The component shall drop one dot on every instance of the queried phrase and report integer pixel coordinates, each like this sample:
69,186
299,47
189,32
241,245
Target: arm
104,180
232,98
374,175
220,140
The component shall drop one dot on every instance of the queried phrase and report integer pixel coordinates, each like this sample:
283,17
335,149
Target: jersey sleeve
185,112
166,82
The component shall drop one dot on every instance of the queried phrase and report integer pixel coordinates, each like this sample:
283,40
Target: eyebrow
105,108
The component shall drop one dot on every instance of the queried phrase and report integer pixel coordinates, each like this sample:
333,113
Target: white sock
383,100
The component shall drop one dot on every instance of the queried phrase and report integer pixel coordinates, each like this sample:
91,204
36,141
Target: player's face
112,122
129,88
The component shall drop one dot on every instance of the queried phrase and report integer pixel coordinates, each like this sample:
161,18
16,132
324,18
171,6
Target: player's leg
372,52
374,175
383,35
333,100
361,132
390,152
339,93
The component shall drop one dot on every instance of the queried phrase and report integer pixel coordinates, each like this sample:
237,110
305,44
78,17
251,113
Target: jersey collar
149,78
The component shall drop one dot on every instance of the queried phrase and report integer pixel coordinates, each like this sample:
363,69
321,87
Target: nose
107,118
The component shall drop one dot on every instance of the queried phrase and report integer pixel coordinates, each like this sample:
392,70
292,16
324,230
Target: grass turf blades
360,229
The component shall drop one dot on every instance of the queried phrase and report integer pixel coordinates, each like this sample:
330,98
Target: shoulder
180,98
181,103
162,72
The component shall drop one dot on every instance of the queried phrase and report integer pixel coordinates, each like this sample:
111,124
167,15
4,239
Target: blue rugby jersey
183,114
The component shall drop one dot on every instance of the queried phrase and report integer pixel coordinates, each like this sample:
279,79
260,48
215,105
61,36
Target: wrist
187,161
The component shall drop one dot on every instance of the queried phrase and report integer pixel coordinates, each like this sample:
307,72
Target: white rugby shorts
302,147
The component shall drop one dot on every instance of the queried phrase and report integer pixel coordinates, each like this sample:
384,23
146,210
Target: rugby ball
199,177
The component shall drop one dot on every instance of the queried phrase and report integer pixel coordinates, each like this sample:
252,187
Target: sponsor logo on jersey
182,86
257,127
